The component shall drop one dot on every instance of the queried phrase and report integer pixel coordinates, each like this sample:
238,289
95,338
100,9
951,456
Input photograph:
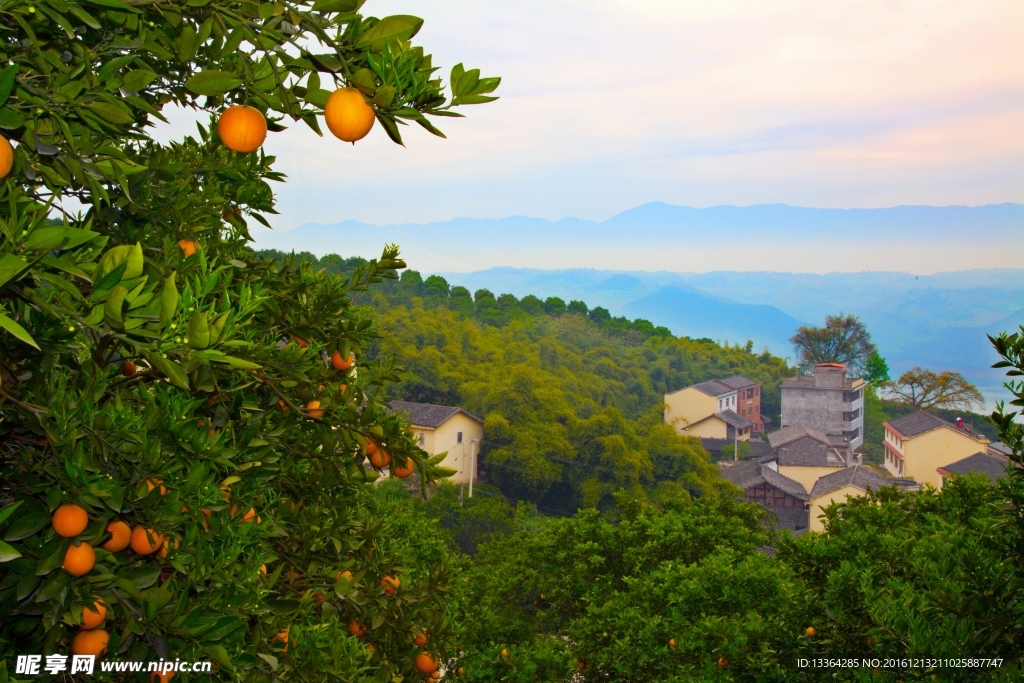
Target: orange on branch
347,114
420,639
79,559
242,128
120,536
160,677
165,545
92,642
341,364
153,483
347,574
390,584
128,368
6,157
313,410
70,520
811,631
404,471
188,247
380,458
300,341
426,663
356,629
145,541
94,616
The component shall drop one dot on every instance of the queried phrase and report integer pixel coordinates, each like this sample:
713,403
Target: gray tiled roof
712,388
794,432
733,418
918,422
753,473
429,415
1000,447
858,476
737,382
809,452
990,465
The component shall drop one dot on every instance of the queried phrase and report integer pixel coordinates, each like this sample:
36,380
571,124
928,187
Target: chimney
829,376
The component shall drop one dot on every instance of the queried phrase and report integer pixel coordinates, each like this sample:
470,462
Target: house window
422,438
458,437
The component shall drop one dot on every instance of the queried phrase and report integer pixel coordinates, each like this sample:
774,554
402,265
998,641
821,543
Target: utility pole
472,464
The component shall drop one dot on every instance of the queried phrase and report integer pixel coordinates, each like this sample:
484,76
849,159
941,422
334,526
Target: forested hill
571,396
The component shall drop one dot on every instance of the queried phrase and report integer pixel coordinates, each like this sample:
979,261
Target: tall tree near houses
187,412
843,339
927,389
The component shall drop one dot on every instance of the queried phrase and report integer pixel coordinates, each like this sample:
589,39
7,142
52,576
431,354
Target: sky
609,104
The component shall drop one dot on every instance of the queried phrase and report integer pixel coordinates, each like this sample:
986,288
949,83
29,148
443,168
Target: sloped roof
918,422
990,465
737,382
429,415
857,475
754,473
809,452
794,432
1000,447
733,418
712,388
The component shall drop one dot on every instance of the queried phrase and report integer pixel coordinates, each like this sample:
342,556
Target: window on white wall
458,437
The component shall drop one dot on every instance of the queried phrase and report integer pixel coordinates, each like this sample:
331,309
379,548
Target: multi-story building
919,445
729,408
828,401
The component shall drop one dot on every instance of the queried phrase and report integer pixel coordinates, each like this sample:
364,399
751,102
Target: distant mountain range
660,236
716,272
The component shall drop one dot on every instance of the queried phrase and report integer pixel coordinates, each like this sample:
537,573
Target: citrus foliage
154,370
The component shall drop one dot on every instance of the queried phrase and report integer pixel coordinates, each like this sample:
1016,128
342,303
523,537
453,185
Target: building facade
919,444
828,401
446,429
729,408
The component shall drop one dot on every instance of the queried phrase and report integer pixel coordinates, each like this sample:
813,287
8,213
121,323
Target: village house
919,444
828,401
992,465
761,482
728,409
805,454
446,429
849,481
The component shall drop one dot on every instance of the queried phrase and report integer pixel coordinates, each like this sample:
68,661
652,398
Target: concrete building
919,444
719,409
828,401
446,429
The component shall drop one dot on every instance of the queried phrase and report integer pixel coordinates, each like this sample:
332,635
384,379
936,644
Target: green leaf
115,4
7,82
399,27
168,300
239,363
336,5
17,330
212,83
7,553
87,19
112,307
218,654
8,510
48,238
10,266
111,113
10,119
27,525
128,254
171,370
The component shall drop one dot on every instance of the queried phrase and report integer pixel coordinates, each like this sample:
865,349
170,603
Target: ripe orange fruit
300,341
313,410
504,653
165,545
426,663
120,536
263,569
371,649
6,157
318,598
672,642
403,472
420,639
341,364
70,520
242,128
188,247
347,574
723,662
292,575
79,559
356,629
161,677
95,615
90,643
128,368
146,541
380,458
153,483
284,406
462,671
348,115
390,584
811,632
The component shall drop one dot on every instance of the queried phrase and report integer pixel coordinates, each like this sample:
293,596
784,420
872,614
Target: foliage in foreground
154,370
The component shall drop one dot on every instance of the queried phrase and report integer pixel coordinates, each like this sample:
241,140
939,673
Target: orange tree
184,426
